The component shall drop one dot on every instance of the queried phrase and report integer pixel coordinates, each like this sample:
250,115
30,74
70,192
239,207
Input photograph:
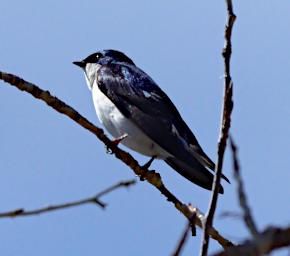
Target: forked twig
90,200
225,126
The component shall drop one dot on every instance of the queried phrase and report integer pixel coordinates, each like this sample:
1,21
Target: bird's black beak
81,64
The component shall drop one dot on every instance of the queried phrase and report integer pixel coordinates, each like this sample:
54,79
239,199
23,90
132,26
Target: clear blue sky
46,158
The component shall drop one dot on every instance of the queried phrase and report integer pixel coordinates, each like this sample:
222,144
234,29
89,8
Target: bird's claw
116,143
148,164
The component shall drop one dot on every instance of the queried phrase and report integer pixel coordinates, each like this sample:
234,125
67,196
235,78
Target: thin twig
271,239
184,236
230,214
248,219
150,176
90,200
225,126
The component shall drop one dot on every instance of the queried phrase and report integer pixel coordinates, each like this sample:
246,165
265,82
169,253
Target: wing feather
138,97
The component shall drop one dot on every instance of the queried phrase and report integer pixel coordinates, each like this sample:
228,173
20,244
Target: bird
140,115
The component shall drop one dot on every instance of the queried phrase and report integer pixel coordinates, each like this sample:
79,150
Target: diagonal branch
225,126
182,241
184,237
150,176
90,200
241,193
271,239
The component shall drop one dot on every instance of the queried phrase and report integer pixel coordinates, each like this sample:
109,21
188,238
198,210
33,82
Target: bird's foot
147,165
119,139
116,142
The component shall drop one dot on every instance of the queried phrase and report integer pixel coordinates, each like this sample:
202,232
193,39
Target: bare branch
182,241
262,244
150,176
90,200
225,126
249,221
230,214
184,236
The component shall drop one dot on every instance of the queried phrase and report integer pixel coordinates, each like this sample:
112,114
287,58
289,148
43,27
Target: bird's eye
93,58
98,56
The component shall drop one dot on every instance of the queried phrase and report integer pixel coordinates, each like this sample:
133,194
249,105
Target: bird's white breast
117,124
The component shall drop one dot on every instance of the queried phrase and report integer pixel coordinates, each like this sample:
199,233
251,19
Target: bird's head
93,62
104,57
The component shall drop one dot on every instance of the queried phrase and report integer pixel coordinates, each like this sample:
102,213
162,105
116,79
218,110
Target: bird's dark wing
138,97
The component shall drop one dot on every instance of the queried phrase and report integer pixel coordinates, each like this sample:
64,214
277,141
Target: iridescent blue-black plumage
141,100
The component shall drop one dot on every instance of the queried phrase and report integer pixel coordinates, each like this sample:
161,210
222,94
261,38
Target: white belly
118,125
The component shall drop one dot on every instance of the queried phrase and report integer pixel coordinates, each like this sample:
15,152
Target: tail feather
196,173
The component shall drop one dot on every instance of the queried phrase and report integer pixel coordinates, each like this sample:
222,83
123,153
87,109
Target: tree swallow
135,110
